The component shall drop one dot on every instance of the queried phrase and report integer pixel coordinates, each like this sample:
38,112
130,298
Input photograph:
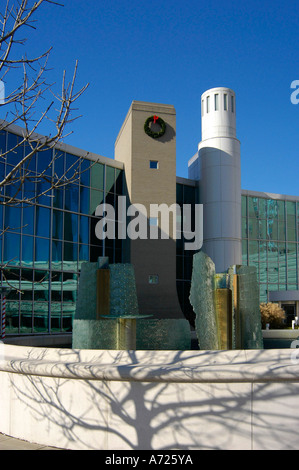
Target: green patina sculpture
239,315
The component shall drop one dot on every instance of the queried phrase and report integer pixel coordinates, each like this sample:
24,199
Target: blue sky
171,52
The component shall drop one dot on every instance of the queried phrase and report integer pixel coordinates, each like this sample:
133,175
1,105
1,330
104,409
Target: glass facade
270,242
44,243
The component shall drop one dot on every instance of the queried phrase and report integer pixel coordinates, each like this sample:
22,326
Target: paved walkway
10,443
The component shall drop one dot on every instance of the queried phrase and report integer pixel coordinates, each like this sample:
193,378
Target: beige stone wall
148,186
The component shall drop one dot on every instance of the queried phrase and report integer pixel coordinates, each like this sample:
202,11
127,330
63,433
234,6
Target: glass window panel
244,252
84,229
85,172
17,149
188,262
179,267
292,255
216,102
57,253
291,208
253,251
58,200
263,229
281,209
154,165
292,277
272,209
26,285
57,224
263,268
70,227
13,293
44,162
27,250
26,318
28,220
70,251
282,274
14,190
272,273
56,316
272,287
282,250
31,162
291,233
244,206
44,193
110,199
119,181
59,164
95,252
11,278
263,293
41,250
41,291
291,222
97,176
180,194
84,200
253,228
2,170
42,221
41,317
272,252
2,142
272,229
11,250
29,190
72,166
118,256
71,198
262,208
110,179
96,198
263,251
12,220
281,229
56,288
189,195
83,253
208,104
253,207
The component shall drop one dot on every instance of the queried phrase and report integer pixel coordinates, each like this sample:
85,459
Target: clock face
148,127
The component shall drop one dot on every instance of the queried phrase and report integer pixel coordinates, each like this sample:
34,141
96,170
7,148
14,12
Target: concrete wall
82,399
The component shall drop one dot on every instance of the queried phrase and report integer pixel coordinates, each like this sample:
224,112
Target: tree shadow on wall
152,409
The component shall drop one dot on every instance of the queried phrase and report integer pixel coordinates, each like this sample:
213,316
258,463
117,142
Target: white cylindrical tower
220,179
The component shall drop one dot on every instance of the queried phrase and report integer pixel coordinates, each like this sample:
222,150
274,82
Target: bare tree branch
22,105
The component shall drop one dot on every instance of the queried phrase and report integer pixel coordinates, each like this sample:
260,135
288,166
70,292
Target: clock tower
146,144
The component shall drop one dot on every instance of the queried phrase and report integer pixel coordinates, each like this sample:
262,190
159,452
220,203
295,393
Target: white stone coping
237,366
281,334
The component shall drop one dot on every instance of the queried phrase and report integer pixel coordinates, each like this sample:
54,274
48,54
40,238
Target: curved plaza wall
96,399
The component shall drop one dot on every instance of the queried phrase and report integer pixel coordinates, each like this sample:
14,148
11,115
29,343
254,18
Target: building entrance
290,310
